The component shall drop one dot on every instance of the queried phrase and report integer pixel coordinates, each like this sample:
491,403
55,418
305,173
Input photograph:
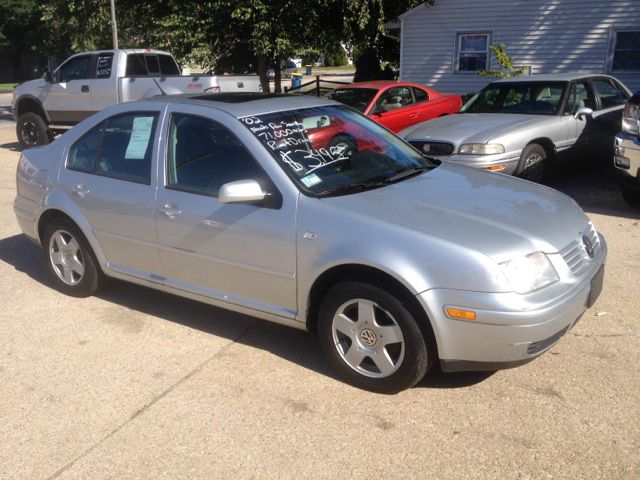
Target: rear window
151,64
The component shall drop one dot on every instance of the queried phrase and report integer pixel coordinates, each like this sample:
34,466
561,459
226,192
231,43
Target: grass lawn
341,69
6,87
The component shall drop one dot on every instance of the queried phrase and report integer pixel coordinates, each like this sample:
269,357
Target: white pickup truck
87,82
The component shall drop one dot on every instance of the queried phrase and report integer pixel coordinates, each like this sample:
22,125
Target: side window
75,69
394,98
609,94
420,95
203,155
580,97
84,152
103,65
120,148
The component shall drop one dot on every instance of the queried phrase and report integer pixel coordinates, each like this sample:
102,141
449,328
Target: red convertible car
397,105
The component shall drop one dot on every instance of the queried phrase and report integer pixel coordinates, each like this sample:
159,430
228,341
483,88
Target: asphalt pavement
134,383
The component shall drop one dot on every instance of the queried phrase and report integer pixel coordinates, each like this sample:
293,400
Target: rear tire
32,130
371,338
533,163
70,260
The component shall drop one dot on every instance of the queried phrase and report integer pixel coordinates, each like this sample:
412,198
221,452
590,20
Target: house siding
551,36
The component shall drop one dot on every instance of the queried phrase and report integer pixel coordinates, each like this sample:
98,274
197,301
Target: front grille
575,254
537,347
433,148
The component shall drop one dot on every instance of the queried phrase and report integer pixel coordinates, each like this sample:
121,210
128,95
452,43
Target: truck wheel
371,339
533,163
32,131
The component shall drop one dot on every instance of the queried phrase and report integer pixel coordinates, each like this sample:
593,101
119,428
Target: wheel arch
30,104
547,144
373,276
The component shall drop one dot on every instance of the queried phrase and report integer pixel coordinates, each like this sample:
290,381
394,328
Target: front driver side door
68,99
236,253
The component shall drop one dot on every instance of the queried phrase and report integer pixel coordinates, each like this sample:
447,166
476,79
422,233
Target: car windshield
333,150
539,98
358,98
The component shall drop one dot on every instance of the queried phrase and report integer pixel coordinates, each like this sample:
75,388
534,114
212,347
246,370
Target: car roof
378,84
551,77
242,104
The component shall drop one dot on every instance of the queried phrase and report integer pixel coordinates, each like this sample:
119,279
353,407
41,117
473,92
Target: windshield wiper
351,187
407,173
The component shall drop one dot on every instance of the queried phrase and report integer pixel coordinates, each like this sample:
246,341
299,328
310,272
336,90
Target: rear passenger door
109,175
237,253
104,84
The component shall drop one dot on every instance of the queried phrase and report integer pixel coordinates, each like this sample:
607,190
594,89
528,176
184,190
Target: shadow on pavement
295,346
12,146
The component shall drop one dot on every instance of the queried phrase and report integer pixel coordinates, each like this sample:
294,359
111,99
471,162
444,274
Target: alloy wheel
66,257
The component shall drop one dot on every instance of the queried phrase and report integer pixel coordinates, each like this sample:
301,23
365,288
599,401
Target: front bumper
510,329
486,162
627,159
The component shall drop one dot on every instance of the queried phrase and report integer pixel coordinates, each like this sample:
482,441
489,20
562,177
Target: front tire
32,130
371,338
533,163
70,260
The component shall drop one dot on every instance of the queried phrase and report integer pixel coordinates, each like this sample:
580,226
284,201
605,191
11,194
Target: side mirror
241,191
48,76
583,112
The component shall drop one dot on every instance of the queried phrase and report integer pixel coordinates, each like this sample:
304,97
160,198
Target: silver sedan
303,212
521,126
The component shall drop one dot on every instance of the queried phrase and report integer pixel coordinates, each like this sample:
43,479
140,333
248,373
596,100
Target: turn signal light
461,314
495,168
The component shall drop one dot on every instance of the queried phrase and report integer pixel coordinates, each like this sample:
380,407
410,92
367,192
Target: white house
444,44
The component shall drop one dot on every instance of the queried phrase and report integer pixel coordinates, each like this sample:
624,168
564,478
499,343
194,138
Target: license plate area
596,287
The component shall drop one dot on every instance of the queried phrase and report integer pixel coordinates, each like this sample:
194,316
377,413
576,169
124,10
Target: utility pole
114,27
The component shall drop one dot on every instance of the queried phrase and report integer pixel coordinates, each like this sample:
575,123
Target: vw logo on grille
588,245
368,337
426,148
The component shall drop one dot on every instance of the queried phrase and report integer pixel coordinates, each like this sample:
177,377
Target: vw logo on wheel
588,245
368,337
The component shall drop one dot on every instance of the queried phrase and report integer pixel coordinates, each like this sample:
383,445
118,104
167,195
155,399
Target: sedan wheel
74,268
371,338
66,257
533,163
368,338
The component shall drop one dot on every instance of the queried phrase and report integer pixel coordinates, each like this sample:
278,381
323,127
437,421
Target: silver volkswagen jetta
303,212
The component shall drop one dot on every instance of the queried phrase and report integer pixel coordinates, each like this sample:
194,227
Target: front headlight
631,119
481,149
526,274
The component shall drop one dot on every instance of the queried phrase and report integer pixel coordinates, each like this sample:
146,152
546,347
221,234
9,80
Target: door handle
84,88
413,115
170,211
80,190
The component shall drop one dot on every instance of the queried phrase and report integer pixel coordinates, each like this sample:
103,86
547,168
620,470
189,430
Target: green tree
19,32
507,69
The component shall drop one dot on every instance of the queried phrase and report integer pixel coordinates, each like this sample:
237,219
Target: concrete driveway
140,384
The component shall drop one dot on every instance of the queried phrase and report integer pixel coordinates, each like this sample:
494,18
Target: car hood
469,127
495,214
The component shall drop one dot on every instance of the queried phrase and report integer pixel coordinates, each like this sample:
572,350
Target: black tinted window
75,69
136,65
358,98
203,155
120,147
153,66
168,65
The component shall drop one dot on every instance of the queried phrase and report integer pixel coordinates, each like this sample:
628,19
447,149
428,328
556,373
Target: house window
472,53
626,51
